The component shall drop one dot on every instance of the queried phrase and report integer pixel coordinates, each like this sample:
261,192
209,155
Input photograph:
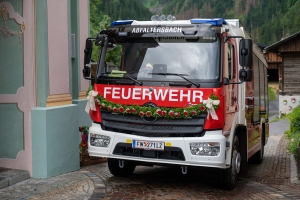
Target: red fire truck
181,93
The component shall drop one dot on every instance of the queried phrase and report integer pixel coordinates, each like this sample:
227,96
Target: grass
282,117
272,94
294,138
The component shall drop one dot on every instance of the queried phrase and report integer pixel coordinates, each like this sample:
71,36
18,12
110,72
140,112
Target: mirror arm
87,78
226,81
227,37
237,82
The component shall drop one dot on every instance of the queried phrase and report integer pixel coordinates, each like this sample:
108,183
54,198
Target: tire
116,170
229,176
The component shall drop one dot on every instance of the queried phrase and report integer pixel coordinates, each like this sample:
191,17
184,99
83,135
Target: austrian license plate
148,145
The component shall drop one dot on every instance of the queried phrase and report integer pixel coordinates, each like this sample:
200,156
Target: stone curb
99,190
294,173
13,176
3,182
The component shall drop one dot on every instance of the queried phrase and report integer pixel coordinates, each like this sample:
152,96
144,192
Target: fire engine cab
177,93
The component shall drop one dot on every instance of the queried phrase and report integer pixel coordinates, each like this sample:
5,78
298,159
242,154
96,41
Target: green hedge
294,133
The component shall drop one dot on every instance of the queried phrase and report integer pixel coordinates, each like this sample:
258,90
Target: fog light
99,140
205,148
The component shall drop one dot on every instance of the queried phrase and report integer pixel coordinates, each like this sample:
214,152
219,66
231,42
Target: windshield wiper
136,81
180,75
124,75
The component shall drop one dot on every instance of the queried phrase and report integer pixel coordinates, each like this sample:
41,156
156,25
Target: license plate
148,145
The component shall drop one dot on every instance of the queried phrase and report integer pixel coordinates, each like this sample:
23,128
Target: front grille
161,127
170,153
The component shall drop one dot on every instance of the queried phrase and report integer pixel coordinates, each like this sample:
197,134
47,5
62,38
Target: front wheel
229,176
120,168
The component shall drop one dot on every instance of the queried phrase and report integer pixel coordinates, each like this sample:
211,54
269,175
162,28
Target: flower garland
207,106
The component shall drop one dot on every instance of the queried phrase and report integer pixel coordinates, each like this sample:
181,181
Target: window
229,52
256,114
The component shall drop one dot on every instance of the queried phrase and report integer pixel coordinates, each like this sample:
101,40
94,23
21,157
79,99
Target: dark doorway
273,75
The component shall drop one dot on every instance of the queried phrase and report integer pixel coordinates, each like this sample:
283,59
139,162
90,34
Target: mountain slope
266,20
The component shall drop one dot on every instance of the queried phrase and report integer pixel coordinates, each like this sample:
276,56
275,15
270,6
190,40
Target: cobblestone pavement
269,180
75,185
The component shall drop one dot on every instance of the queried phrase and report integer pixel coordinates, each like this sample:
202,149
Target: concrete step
12,176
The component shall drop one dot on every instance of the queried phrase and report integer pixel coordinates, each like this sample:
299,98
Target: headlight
99,140
205,148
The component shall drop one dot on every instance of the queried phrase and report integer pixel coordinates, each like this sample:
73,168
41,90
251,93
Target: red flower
115,109
194,112
202,108
127,110
141,114
163,113
148,113
158,111
133,110
177,114
121,109
186,113
102,105
109,108
171,113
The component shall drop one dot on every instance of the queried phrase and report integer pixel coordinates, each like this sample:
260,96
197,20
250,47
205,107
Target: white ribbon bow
91,101
210,109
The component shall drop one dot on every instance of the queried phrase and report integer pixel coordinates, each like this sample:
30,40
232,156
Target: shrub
294,133
293,144
295,120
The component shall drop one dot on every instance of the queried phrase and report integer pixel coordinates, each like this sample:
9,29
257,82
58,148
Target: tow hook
121,163
184,169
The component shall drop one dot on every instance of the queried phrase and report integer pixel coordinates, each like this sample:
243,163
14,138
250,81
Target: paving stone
3,182
270,180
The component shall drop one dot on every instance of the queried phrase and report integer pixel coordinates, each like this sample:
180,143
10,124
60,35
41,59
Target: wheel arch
241,132
263,133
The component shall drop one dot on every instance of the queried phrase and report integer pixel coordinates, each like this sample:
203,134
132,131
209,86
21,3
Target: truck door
230,71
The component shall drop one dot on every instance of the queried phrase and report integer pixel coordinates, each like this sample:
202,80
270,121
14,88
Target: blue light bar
215,22
121,22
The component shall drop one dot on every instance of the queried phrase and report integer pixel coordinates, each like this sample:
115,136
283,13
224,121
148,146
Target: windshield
194,59
146,58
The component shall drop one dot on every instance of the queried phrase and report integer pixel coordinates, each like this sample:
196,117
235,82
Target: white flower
216,102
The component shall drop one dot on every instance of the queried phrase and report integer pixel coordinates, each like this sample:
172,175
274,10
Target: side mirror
87,58
86,71
245,54
245,75
88,51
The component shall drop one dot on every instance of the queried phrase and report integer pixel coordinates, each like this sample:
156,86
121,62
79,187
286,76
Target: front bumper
173,144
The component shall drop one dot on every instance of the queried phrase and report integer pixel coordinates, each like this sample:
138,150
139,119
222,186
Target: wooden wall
290,46
273,57
285,56
291,74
